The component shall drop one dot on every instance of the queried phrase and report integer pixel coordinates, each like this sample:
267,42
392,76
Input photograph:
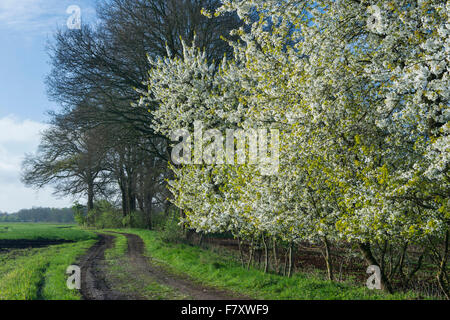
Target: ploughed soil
96,286
35,243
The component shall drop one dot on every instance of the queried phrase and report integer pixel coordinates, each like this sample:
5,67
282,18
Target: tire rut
93,265
136,249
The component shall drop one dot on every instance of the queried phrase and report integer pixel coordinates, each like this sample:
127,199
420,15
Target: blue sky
25,28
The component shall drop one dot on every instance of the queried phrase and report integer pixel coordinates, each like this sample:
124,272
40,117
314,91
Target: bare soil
24,244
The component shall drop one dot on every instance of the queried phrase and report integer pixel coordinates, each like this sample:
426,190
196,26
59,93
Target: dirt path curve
136,249
93,266
94,285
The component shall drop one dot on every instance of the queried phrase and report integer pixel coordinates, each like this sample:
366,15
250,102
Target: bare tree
71,160
104,64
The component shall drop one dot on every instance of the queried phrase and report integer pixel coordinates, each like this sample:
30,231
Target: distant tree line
54,215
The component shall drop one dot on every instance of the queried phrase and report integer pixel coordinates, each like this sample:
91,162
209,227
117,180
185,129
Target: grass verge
223,271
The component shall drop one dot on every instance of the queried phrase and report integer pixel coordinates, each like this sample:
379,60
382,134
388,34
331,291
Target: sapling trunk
328,261
291,262
250,259
200,241
259,252
241,254
266,255
275,256
286,254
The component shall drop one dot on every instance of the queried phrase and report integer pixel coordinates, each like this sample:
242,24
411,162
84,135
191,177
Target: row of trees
98,146
64,215
360,94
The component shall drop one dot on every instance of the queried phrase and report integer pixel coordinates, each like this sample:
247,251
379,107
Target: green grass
38,231
40,273
120,246
223,271
32,274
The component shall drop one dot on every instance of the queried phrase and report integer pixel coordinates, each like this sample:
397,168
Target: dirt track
95,286
93,266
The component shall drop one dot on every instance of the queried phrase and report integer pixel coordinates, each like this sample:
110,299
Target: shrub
159,220
80,214
104,215
126,221
109,219
138,220
172,231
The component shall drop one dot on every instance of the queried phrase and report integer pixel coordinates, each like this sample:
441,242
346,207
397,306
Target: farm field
42,231
38,271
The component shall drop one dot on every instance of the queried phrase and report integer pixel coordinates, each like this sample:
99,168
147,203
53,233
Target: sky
26,27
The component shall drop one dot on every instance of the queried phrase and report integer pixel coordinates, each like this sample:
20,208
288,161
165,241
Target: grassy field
40,231
220,269
39,273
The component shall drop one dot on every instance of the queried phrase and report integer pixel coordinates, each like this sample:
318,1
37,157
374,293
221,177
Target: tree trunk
131,200
328,260
266,255
370,259
275,256
124,202
90,204
183,216
241,254
259,253
140,198
401,262
148,209
286,254
411,274
291,260
251,255
200,241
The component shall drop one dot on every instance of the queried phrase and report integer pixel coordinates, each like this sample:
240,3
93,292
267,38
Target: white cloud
14,130
18,137
27,14
39,16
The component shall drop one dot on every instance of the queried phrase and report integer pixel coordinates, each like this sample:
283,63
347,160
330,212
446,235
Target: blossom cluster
361,105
